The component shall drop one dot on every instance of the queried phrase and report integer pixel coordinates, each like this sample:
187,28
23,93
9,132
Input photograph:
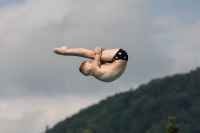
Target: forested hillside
144,110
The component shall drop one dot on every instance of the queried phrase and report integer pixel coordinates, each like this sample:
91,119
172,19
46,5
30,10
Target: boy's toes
55,49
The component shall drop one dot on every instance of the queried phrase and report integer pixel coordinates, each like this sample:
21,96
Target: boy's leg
107,55
80,52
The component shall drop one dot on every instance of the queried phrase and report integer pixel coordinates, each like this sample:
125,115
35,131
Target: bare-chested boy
107,64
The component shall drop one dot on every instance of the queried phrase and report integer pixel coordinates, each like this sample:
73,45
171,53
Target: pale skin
102,67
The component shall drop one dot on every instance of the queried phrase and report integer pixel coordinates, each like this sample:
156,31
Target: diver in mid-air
107,65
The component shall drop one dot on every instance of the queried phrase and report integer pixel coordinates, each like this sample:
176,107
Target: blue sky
167,7
10,2
39,88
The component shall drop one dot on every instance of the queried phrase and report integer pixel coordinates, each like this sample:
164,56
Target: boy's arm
97,50
95,66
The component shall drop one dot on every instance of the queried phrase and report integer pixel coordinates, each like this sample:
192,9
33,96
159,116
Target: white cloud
37,85
179,35
33,114
30,31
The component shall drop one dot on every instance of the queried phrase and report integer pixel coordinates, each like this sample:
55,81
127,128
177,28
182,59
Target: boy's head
85,68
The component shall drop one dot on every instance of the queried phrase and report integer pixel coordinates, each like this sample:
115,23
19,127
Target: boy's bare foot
61,50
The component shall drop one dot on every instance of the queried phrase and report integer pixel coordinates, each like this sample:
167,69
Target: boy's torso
112,71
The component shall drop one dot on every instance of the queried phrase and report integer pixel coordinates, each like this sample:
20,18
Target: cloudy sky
39,88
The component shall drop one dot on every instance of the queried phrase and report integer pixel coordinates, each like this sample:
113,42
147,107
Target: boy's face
87,67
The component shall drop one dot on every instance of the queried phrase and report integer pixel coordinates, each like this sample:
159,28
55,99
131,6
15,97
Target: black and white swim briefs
121,55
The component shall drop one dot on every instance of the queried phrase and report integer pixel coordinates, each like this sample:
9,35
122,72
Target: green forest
142,110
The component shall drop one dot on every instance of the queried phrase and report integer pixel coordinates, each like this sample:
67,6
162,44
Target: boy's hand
98,50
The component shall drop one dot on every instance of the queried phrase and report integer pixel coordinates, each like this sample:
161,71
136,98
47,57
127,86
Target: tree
47,129
172,127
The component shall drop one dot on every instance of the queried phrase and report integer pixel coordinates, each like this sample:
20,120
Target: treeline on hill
144,110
